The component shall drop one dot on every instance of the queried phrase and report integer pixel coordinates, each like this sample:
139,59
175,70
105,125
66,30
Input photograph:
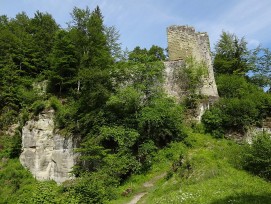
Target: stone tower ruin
185,42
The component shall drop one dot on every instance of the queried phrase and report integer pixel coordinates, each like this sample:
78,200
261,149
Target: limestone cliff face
184,42
48,156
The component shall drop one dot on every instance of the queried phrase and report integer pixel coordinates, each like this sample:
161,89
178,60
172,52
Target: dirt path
147,185
151,182
137,197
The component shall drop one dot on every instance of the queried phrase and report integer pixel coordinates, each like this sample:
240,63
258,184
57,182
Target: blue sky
144,22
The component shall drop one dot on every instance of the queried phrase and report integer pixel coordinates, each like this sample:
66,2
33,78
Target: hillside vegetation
134,138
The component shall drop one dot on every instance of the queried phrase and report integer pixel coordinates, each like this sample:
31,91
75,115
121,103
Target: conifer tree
64,64
43,28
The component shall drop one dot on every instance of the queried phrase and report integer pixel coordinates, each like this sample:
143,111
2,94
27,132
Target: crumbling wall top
184,42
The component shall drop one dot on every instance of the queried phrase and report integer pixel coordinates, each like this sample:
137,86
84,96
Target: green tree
161,121
43,28
139,55
79,35
157,53
10,104
233,86
64,64
95,74
261,60
123,106
257,157
231,55
113,36
23,56
142,55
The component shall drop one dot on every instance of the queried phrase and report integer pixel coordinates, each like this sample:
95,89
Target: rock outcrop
184,42
48,156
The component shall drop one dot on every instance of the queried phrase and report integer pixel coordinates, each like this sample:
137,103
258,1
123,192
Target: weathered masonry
185,42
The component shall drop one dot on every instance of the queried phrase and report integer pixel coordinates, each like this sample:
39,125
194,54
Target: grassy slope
209,174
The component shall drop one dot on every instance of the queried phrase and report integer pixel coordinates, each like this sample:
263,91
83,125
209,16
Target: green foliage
13,178
203,173
121,165
44,192
139,55
243,104
230,86
231,114
231,55
261,62
239,113
92,156
64,64
123,137
157,53
195,72
42,28
94,188
143,77
257,157
66,111
123,105
113,36
161,121
213,121
38,106
25,45
10,146
146,152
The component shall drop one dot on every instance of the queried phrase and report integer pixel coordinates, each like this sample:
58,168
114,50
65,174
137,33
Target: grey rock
47,155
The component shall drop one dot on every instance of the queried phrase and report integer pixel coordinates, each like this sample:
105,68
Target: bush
238,113
161,121
13,180
65,115
146,152
257,158
95,188
230,86
213,121
231,114
10,146
55,103
38,106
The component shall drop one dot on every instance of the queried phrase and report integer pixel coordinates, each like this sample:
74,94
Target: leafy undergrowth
204,170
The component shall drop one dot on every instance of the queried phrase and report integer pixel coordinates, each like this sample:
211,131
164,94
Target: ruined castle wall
184,42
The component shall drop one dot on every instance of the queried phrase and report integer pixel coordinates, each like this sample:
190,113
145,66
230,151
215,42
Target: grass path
137,198
147,186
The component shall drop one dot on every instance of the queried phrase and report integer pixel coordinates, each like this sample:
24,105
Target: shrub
239,112
95,188
146,152
55,103
161,121
38,106
213,121
13,180
257,158
230,86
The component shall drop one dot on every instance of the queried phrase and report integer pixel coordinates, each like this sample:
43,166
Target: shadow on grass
245,199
